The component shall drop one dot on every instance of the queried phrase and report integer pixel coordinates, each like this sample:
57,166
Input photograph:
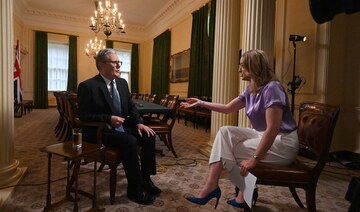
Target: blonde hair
258,66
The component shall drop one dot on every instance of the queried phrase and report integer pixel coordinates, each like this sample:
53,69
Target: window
58,60
125,56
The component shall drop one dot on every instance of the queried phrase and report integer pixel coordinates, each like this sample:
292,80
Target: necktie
116,103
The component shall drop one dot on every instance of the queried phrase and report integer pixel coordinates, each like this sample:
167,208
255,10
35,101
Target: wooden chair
161,99
152,98
163,126
156,117
146,97
203,114
315,130
133,95
140,96
70,114
28,105
62,133
111,156
188,113
60,123
22,107
18,108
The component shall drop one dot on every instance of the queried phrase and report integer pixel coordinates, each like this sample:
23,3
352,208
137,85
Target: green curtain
72,74
161,64
134,68
109,44
202,51
41,70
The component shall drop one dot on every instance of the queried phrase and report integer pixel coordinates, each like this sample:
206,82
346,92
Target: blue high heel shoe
233,202
202,201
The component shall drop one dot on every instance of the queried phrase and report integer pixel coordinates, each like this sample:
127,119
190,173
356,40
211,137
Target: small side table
65,150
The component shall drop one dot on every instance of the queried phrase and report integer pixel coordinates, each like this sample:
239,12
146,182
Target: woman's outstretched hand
190,102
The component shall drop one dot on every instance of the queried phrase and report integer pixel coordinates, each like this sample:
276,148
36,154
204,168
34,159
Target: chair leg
112,183
247,208
310,199
296,197
171,145
162,137
101,167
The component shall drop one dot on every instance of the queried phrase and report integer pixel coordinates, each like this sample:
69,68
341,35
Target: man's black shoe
140,197
151,188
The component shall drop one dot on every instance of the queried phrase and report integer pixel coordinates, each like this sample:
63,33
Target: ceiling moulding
166,9
172,13
52,20
175,12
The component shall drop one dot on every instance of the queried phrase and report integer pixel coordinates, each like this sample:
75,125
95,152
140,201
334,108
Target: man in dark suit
106,98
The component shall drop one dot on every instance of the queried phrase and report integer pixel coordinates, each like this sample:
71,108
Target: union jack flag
18,95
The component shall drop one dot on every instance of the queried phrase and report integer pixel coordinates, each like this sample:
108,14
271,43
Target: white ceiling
134,12
144,19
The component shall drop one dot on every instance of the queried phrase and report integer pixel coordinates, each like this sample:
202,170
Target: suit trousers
129,146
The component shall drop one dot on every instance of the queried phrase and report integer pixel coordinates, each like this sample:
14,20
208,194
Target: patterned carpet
177,178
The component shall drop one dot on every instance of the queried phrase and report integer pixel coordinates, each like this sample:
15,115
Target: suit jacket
95,105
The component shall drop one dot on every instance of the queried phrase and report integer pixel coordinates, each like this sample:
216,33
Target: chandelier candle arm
92,48
107,19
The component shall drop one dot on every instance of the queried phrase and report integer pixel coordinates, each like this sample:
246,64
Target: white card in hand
245,184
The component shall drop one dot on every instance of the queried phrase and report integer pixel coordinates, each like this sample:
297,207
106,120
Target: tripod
295,83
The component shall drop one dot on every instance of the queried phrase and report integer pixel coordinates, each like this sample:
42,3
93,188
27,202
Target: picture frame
179,66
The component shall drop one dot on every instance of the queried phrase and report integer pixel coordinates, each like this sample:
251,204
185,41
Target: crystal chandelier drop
107,19
93,47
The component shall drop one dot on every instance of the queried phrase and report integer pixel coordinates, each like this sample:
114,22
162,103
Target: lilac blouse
270,94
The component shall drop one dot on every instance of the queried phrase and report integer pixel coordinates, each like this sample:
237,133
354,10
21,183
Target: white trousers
234,144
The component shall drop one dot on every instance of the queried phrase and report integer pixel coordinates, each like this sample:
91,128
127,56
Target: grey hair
102,56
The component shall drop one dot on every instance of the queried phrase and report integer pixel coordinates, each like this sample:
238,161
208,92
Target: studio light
297,38
296,79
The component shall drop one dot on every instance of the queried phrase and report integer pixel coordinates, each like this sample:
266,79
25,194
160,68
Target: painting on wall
179,66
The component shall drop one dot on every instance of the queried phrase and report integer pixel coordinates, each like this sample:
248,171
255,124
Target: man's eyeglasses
114,63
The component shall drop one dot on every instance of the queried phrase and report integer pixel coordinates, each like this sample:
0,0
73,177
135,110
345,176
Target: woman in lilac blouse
272,138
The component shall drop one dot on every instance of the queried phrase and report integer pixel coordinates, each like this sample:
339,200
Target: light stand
296,80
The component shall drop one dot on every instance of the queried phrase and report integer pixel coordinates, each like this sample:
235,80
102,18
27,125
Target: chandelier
92,48
107,19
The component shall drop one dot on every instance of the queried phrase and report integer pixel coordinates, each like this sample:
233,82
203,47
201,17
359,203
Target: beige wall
287,22
180,41
344,79
22,34
145,66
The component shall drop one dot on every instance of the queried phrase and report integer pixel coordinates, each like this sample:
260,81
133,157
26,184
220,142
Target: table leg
94,187
48,196
68,185
76,165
